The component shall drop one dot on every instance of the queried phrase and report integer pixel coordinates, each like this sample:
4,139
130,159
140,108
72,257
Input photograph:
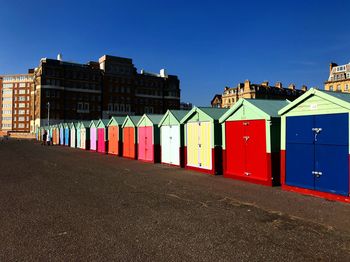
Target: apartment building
125,91
257,91
16,102
339,78
66,92
110,87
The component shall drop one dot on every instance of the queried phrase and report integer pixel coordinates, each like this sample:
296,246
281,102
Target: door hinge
247,173
246,138
245,123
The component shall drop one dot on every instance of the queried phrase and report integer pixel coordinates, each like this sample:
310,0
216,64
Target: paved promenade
64,204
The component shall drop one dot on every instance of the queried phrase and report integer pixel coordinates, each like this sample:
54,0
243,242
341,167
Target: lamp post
48,113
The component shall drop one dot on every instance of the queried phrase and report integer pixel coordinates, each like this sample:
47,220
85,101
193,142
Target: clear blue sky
208,44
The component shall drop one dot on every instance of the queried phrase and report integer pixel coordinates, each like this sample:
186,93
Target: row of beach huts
302,145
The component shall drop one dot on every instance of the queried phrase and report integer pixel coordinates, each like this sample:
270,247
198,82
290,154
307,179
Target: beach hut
50,133
73,134
148,138
85,135
203,148
251,141
57,134
61,126
315,145
115,135
66,134
54,135
172,137
130,136
102,136
77,126
93,135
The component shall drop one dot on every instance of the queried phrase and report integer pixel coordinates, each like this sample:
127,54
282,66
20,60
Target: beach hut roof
178,115
212,112
267,107
134,120
116,120
341,99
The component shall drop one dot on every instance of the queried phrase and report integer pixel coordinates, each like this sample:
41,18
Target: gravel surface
64,204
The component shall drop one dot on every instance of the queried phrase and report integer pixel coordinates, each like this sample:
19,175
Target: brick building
258,91
112,86
127,92
73,91
339,78
16,102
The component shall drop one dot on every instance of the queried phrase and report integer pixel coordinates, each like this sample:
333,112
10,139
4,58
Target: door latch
317,130
247,173
245,123
317,173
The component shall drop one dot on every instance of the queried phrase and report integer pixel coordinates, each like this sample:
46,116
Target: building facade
216,101
66,91
339,78
16,102
125,91
259,91
110,87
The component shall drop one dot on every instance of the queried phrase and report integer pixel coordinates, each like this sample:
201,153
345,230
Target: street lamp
48,113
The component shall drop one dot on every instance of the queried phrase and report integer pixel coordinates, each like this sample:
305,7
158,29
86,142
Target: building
110,87
259,91
185,106
339,78
125,91
16,102
216,101
66,91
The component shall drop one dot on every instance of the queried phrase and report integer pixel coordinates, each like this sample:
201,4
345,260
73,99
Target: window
7,85
338,87
22,105
22,98
347,87
331,88
22,92
22,84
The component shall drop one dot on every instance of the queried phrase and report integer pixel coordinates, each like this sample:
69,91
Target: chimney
331,66
247,85
278,84
304,88
163,73
291,86
265,83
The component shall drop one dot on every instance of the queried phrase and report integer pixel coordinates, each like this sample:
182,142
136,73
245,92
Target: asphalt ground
64,204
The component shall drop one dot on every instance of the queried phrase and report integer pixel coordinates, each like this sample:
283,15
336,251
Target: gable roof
93,123
212,112
85,124
133,119
118,120
102,122
155,119
178,114
269,107
341,99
